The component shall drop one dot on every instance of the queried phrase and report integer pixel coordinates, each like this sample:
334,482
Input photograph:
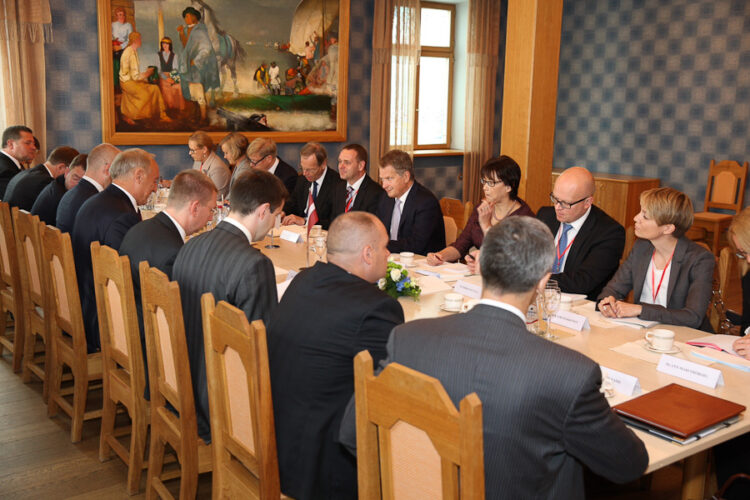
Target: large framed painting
276,68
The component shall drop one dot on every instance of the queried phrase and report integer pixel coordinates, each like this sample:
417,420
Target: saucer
450,310
673,350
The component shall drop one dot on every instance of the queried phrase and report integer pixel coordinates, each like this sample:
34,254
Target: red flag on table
312,214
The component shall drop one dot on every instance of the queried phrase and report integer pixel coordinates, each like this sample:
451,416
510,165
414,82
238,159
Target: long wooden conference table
597,343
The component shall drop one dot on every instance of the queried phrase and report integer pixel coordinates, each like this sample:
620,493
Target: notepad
719,342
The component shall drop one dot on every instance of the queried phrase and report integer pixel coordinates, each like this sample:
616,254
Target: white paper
468,289
632,322
622,382
703,375
570,320
290,236
722,342
431,284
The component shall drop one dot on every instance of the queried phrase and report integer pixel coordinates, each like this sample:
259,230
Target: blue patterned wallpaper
654,88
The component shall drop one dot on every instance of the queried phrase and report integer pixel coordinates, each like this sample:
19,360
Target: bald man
588,242
328,314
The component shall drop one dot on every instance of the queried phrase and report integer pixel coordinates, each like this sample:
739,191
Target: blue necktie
562,246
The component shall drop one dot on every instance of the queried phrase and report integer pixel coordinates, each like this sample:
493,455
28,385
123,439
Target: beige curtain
482,47
24,27
395,52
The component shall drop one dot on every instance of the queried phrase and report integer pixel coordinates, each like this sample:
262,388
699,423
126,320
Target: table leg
694,476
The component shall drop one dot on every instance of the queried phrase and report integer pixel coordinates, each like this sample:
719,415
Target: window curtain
395,52
24,27
482,59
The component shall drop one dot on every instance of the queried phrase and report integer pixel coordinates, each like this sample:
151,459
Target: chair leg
18,341
109,410
80,391
29,340
55,375
155,464
137,449
45,382
189,478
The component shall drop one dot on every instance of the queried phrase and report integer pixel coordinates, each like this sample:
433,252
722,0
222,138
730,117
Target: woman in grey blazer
671,276
205,159
234,147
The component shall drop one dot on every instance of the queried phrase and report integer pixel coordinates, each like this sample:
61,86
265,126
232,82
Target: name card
290,236
468,289
704,375
570,320
425,272
622,382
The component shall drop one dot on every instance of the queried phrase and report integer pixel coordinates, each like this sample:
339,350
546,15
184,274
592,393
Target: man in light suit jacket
358,191
94,181
318,181
18,147
225,263
330,312
262,153
106,217
45,205
410,212
588,242
544,418
24,188
192,199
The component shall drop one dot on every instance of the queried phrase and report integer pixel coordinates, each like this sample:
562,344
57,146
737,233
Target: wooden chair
170,383
629,242
411,441
239,395
68,337
37,313
11,293
725,190
122,361
717,310
460,212
451,231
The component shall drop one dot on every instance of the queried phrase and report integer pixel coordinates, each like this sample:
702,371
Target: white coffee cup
406,258
565,303
660,339
453,301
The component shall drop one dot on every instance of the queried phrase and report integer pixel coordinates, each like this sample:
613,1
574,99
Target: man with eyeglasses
262,155
588,242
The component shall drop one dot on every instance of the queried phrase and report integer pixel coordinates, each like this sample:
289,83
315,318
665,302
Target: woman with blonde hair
234,147
739,238
670,275
205,159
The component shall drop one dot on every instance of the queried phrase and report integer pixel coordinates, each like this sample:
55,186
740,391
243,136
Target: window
435,76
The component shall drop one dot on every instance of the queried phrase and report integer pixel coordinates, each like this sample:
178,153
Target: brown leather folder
678,410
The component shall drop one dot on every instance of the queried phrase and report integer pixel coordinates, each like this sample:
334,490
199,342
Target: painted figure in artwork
140,99
169,76
199,71
120,32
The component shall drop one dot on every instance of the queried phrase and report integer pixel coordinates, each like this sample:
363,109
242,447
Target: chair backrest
452,207
30,256
239,394
9,270
58,257
725,267
411,441
118,319
166,348
726,186
451,231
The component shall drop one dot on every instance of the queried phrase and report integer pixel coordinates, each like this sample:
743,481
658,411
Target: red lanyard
655,291
561,255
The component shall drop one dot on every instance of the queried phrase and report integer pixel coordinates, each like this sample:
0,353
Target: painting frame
111,116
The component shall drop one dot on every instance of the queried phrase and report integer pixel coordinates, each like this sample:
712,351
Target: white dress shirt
357,184
572,233
505,306
242,228
647,294
180,229
130,196
272,170
98,186
18,164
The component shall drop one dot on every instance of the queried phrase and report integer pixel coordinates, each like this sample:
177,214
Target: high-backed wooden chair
11,293
460,212
122,364
239,395
717,309
170,383
68,338
725,190
411,441
37,314
451,231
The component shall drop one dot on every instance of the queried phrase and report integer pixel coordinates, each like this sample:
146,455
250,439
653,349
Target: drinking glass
532,319
319,246
272,232
551,302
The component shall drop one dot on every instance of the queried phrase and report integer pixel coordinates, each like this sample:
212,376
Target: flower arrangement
175,76
397,282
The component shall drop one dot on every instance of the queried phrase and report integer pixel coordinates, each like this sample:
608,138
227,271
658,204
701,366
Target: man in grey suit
544,417
225,263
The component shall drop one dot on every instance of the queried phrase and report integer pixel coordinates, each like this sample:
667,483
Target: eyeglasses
490,182
193,151
255,162
565,204
740,254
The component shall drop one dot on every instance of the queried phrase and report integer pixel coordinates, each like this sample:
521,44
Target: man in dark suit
262,154
359,191
589,242
225,263
45,205
328,314
410,212
192,199
318,182
17,148
544,417
94,181
24,188
106,217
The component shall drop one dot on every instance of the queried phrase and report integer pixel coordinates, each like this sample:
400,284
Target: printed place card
468,289
622,382
425,272
290,236
704,375
570,320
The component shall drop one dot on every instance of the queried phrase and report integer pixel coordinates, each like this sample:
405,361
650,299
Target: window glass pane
433,100
435,29
399,105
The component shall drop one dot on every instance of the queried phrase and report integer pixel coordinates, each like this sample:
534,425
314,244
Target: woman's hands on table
742,347
613,308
